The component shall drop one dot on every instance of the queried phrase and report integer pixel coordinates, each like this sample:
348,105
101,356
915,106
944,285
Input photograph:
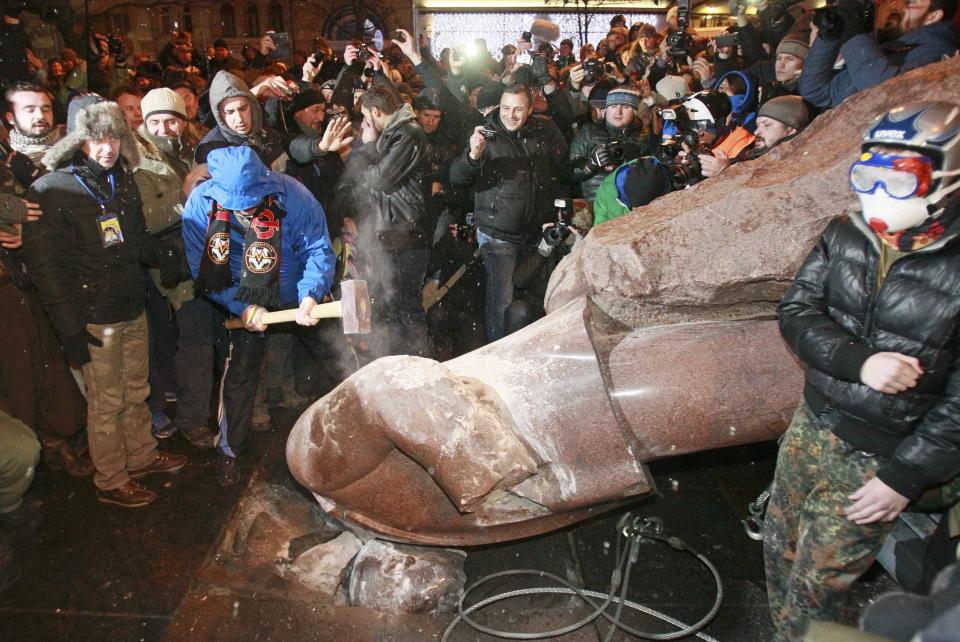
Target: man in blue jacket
915,33
255,240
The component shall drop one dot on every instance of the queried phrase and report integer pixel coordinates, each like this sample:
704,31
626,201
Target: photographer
601,147
916,33
513,160
532,275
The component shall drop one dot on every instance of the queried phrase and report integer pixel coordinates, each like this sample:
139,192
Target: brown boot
130,495
164,463
200,437
59,455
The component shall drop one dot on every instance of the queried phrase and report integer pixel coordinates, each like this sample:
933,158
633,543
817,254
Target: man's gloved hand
76,347
843,22
602,160
539,69
170,267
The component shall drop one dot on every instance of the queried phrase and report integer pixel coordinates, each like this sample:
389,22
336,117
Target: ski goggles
901,177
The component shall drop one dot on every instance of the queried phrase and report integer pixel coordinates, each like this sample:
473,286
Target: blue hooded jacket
240,180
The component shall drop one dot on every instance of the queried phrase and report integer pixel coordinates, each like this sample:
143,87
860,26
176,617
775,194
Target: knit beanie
795,45
163,101
489,95
623,96
789,110
598,95
304,99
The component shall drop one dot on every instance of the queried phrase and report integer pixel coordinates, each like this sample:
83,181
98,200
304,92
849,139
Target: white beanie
163,101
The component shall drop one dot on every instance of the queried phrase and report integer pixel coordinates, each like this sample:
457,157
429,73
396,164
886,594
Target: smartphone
282,40
527,36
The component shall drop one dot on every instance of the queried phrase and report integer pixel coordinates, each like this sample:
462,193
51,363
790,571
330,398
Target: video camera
467,229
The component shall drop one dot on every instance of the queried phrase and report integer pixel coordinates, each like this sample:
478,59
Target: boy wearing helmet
874,314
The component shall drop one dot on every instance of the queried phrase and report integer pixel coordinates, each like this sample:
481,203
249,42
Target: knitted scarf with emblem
921,235
260,277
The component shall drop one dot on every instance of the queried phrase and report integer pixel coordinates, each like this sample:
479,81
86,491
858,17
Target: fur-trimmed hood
94,122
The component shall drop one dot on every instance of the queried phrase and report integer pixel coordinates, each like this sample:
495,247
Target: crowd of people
147,198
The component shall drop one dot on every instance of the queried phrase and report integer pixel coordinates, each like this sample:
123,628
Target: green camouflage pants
812,552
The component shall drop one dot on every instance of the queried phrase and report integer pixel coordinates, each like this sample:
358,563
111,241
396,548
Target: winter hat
795,45
489,95
789,110
77,104
672,87
598,95
163,101
306,98
429,98
644,181
90,117
623,96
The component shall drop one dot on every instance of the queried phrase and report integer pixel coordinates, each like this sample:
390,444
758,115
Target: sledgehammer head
355,306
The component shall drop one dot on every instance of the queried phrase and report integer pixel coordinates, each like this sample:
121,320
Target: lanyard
102,202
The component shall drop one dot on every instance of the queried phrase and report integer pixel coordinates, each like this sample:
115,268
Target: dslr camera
679,41
592,71
559,231
684,170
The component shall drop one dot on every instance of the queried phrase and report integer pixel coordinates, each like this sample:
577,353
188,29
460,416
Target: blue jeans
500,260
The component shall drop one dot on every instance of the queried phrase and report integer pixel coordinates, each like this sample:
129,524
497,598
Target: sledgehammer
353,307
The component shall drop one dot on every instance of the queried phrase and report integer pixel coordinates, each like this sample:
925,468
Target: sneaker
162,426
228,471
130,495
200,437
164,463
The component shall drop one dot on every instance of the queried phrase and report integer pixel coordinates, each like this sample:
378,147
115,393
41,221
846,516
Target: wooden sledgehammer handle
332,310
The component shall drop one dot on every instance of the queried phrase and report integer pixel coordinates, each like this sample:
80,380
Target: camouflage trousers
812,552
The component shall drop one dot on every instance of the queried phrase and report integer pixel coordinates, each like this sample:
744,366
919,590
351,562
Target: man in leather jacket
874,315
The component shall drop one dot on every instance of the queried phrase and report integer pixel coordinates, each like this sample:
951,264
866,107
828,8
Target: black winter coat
515,179
398,183
593,135
834,317
78,280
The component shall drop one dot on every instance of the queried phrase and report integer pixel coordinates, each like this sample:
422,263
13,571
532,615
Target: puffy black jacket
592,135
78,280
834,317
399,183
514,179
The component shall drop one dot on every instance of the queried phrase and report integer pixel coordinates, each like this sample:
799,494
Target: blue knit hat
623,96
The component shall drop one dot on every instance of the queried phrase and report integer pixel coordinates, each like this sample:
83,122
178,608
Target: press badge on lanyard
110,232
108,224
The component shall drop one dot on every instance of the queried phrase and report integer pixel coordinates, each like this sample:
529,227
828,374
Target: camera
728,40
683,170
364,54
115,45
527,36
319,56
830,22
617,151
488,134
591,71
557,233
466,229
679,41
337,111
398,36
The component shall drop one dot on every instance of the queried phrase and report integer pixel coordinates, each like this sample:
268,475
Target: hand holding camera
274,87
403,40
840,21
607,157
478,142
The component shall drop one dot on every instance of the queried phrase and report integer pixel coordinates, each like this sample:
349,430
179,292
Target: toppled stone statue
660,340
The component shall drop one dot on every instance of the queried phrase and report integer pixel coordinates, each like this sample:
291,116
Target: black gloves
75,347
602,159
170,267
844,21
539,69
